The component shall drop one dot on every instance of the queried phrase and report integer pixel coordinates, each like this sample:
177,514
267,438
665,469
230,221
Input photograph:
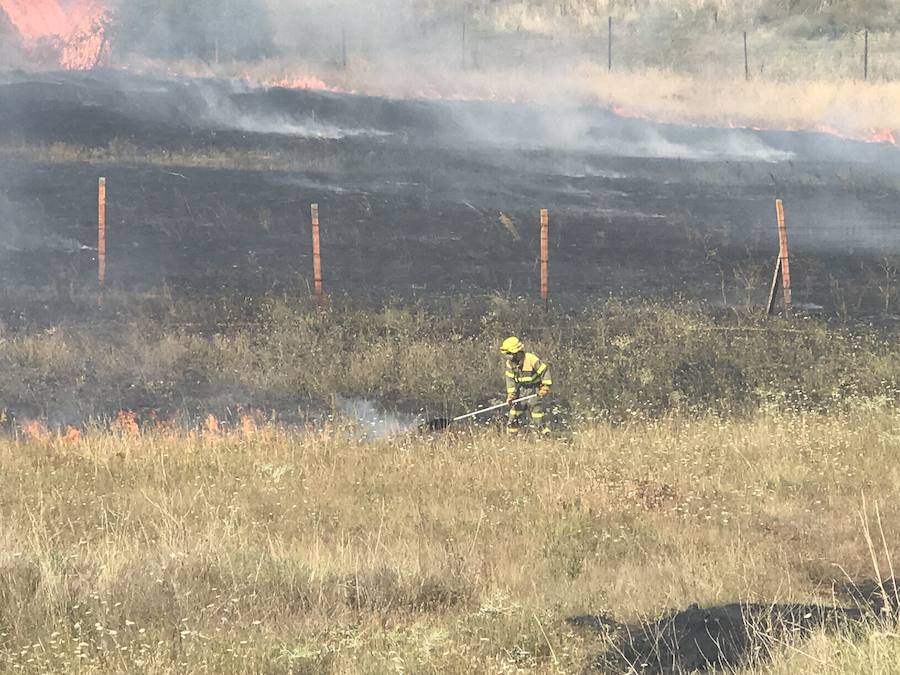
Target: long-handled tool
442,423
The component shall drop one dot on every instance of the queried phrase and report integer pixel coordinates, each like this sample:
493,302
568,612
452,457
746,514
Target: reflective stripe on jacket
533,374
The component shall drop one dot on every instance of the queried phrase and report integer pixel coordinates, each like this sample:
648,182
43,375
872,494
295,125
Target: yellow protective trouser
517,414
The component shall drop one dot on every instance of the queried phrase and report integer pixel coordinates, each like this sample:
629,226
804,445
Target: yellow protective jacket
533,374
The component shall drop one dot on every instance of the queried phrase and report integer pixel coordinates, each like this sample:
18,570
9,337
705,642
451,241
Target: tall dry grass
878,652
790,101
270,551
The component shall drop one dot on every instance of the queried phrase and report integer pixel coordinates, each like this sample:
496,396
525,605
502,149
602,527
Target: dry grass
851,107
123,152
848,106
187,355
265,549
277,552
878,652
677,61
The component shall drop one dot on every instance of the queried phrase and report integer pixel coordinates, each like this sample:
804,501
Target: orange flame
72,435
211,424
248,426
36,432
870,136
165,425
126,423
882,136
76,34
301,82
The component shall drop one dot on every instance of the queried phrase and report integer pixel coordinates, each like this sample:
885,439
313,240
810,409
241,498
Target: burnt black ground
411,195
700,639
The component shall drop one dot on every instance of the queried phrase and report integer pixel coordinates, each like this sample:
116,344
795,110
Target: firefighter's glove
544,391
510,398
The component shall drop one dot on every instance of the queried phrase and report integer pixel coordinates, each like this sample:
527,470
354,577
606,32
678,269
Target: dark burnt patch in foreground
702,639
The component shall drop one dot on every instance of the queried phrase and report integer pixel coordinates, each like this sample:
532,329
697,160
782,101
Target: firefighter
526,374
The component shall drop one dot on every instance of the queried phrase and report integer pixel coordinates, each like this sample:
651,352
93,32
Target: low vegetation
218,157
156,354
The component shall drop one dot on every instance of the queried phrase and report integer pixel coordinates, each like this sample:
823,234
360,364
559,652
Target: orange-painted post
545,258
317,253
101,232
783,255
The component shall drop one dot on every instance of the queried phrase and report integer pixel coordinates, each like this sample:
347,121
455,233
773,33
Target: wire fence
744,54
639,211
565,257
705,41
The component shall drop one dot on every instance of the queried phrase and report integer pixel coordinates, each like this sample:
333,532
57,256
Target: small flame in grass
71,435
870,136
248,426
301,82
887,136
126,423
37,432
882,136
211,424
162,425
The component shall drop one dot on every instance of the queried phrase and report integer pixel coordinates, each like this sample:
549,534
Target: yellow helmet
512,345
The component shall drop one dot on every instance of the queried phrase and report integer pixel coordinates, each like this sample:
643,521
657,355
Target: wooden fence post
463,46
784,256
866,57
317,252
101,232
782,275
545,258
609,46
746,59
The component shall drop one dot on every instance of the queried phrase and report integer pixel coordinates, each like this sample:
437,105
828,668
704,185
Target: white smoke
221,111
372,422
595,131
20,231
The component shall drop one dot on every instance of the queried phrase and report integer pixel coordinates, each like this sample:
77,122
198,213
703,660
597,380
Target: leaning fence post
545,258
317,253
773,291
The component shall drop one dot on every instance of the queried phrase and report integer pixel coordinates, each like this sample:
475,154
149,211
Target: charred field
186,485
210,186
